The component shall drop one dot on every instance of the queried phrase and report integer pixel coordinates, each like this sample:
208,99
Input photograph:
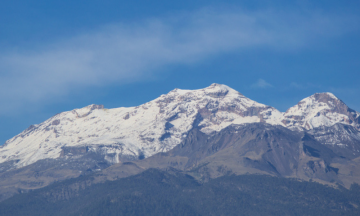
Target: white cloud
130,52
261,84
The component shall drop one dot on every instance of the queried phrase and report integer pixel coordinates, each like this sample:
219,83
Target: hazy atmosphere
56,56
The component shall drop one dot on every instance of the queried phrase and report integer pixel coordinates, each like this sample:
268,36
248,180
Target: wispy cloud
261,84
123,53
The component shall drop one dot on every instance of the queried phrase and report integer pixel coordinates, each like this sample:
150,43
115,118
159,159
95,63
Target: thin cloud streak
128,53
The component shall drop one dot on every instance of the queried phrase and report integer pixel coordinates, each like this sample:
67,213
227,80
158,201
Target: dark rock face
342,139
127,116
70,151
252,148
271,149
56,122
91,108
96,106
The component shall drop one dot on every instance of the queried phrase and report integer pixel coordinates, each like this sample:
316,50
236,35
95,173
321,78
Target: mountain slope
124,134
254,148
171,192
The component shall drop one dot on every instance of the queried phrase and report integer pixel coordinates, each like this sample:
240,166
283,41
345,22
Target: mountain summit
320,109
129,133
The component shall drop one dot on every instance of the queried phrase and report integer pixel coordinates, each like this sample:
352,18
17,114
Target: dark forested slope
171,192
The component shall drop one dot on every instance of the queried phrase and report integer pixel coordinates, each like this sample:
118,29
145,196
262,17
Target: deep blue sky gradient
327,64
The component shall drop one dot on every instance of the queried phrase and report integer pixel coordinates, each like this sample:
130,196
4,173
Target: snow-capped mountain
129,133
153,127
329,120
320,109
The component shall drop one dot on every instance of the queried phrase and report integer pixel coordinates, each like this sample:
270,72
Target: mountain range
207,133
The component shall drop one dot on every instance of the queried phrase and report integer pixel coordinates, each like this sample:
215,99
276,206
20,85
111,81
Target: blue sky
60,55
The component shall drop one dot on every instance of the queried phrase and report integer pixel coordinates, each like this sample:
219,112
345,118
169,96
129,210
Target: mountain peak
218,86
219,90
325,94
320,109
325,97
85,111
215,90
326,100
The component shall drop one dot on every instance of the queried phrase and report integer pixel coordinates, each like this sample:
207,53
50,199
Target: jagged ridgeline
205,133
